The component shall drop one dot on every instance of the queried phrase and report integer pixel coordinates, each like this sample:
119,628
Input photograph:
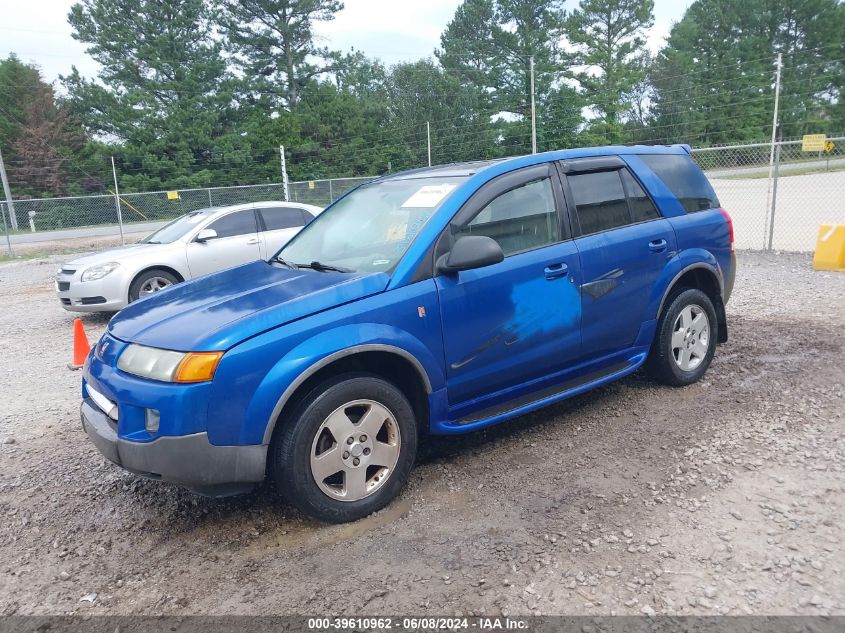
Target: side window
642,208
276,218
684,179
599,201
520,219
238,223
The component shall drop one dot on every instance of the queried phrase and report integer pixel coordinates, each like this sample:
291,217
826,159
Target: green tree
43,146
713,82
489,44
163,93
422,92
609,38
273,43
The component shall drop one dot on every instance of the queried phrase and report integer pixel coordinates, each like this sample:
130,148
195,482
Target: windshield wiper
283,262
315,265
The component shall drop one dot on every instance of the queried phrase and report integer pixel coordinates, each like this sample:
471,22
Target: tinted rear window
684,179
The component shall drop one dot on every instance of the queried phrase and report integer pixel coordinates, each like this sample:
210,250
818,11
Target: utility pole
284,171
117,202
769,209
533,112
428,139
13,220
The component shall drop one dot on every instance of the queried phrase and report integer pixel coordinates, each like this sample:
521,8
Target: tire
360,475
144,283
681,352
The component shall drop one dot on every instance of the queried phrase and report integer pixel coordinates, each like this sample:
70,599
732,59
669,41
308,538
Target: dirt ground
725,497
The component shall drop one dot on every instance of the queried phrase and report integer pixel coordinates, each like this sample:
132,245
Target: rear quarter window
684,179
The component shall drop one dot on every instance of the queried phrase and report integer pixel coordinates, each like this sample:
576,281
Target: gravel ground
722,497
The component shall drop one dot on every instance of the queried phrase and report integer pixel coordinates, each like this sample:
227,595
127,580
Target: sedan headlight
168,366
98,272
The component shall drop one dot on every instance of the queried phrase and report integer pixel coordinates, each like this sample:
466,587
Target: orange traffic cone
80,345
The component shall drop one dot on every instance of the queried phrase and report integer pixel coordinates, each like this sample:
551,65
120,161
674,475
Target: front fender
295,367
686,260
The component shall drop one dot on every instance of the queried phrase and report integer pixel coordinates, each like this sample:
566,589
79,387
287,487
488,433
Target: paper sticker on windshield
396,232
428,196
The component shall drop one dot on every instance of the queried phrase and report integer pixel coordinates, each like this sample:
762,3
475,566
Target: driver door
236,243
519,320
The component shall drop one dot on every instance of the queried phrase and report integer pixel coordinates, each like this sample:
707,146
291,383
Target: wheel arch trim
698,265
328,360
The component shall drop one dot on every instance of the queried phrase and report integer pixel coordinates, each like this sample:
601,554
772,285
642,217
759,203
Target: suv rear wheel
685,341
348,449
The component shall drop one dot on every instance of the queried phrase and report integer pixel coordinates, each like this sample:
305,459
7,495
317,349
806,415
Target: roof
465,169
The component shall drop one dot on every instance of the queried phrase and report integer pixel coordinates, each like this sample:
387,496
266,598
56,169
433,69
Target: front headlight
168,366
98,272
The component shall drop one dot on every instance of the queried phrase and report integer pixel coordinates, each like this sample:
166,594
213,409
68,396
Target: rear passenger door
624,244
278,225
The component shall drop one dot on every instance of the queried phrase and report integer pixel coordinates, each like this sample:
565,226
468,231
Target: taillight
730,227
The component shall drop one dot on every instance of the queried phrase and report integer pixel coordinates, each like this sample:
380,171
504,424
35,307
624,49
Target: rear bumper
188,460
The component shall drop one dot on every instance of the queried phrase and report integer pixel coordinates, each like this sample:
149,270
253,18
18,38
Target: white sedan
198,243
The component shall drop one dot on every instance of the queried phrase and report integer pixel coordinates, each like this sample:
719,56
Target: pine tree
273,43
163,91
489,44
608,35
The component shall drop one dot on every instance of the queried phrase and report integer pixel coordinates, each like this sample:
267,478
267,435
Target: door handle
553,271
657,246
254,240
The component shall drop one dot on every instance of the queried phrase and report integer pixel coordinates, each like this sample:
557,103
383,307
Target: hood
119,254
219,311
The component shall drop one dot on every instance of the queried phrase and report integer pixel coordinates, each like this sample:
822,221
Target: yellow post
830,248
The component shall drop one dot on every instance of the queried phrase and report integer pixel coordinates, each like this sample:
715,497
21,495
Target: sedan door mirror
470,251
205,235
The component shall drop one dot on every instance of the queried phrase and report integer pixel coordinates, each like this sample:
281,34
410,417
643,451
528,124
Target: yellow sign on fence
172,195
829,146
312,184
813,142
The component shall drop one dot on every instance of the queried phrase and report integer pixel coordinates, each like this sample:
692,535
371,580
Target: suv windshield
371,228
179,227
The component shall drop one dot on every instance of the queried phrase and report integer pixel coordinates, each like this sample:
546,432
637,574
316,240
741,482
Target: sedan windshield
178,228
371,228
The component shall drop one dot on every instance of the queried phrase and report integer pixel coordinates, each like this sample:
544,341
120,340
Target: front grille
68,271
64,286
91,301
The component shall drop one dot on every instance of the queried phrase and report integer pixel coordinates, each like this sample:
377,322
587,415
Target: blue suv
441,300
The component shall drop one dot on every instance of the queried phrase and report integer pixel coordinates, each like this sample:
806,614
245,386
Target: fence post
209,197
117,202
774,137
284,171
6,230
331,192
774,192
13,220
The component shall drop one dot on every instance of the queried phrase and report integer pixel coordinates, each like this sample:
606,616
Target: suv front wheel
347,450
685,341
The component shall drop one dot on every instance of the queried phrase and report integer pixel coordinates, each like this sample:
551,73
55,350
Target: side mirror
470,251
205,235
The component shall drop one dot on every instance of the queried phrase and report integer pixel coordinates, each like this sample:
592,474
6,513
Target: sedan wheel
355,450
153,285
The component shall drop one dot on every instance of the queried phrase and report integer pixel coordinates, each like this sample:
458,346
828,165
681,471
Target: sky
391,30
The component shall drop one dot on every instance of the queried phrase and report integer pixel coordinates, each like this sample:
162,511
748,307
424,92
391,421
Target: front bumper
109,294
188,460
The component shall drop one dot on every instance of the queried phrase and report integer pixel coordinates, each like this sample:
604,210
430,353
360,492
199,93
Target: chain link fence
784,212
